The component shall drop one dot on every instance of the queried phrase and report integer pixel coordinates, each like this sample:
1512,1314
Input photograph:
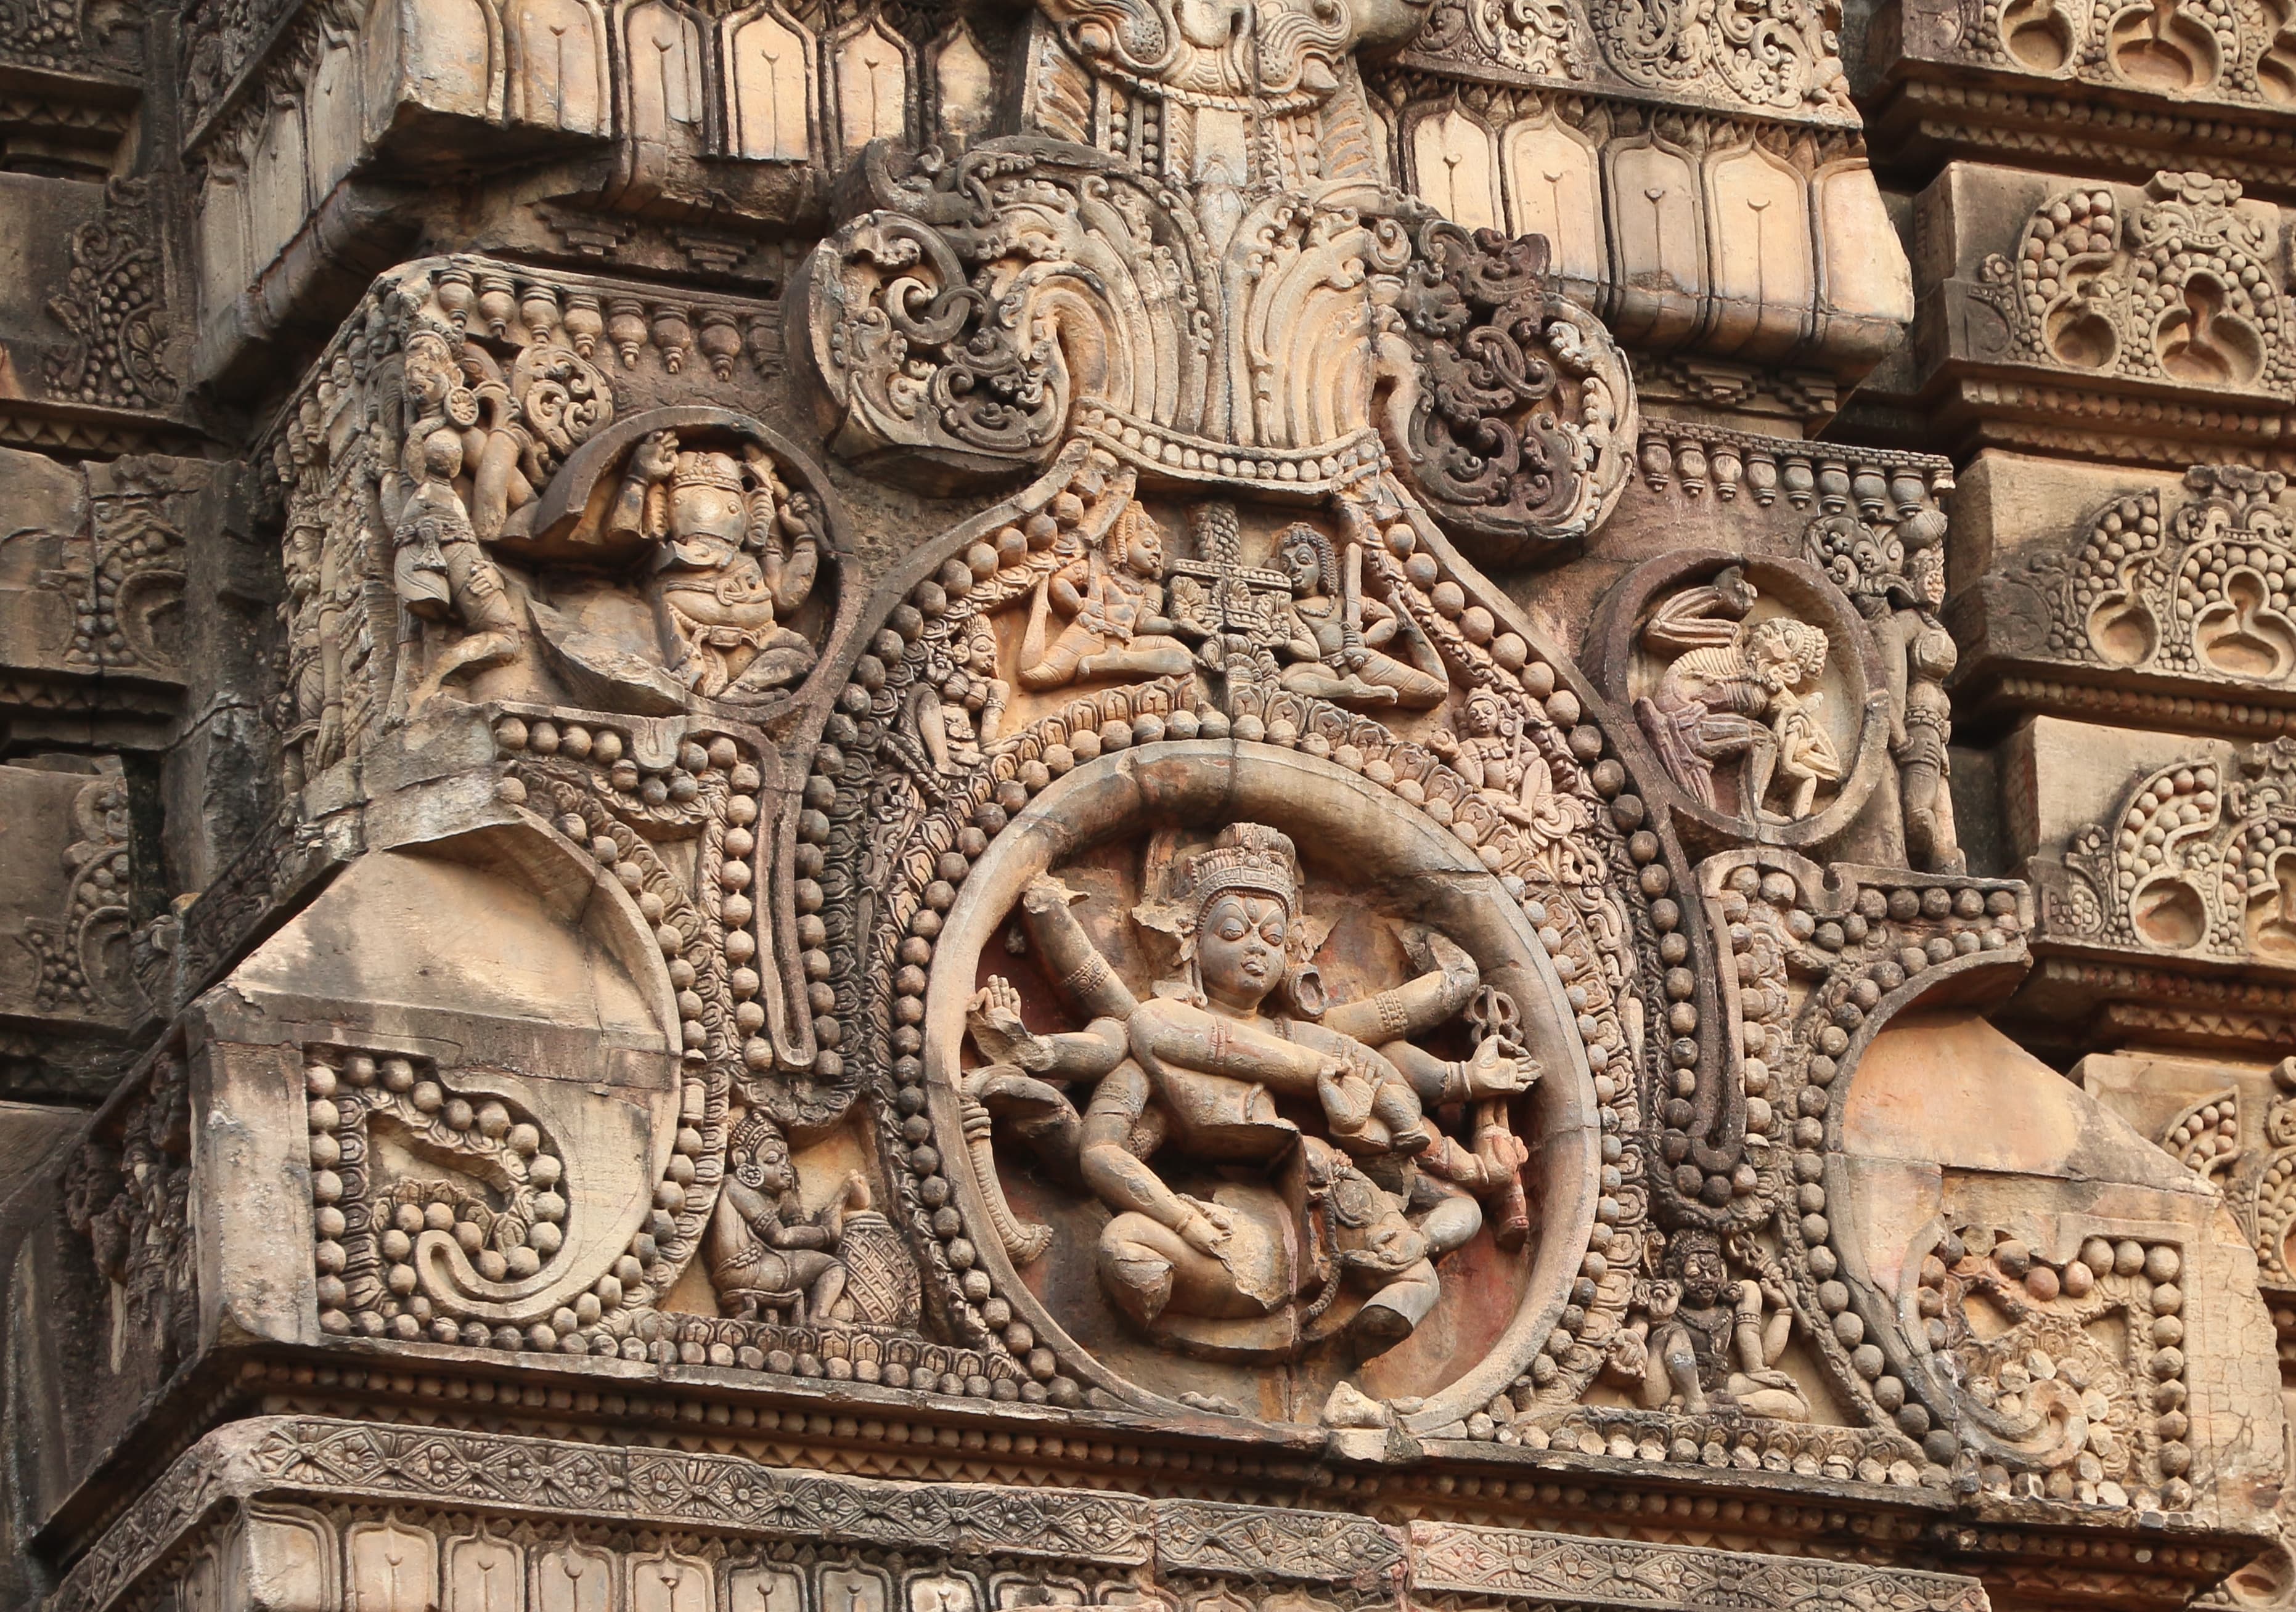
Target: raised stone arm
1121,1179
1415,1007
1077,969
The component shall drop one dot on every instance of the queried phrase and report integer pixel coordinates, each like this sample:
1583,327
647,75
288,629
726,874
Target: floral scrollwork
1520,428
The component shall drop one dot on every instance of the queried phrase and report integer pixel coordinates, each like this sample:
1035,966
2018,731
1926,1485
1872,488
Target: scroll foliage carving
1526,406
2177,288
978,320
2201,590
2192,862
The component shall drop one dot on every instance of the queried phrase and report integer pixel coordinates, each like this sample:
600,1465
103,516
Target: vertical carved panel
390,1568
872,65
485,1574
769,79
1555,189
662,1581
964,87
557,51
1451,154
664,72
335,134
278,180
1654,219
575,1578
1764,271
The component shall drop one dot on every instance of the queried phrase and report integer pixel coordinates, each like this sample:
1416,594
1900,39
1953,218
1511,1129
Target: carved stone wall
1291,806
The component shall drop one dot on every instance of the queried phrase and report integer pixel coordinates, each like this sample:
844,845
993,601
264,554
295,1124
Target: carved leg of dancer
1679,1360
1143,657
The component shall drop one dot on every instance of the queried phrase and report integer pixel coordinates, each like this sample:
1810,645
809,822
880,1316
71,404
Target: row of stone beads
2144,1277
1972,922
705,772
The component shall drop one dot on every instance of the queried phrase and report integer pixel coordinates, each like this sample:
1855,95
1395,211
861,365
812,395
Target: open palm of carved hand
1495,1072
656,457
993,1015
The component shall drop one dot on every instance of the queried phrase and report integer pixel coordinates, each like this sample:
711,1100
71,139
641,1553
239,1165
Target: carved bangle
1088,974
1391,1017
1455,1081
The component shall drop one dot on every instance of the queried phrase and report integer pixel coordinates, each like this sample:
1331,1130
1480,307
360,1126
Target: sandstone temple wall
1209,805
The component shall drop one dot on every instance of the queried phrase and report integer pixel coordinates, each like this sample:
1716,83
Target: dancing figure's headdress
1246,856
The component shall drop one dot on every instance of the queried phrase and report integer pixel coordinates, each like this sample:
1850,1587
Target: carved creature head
1784,653
1309,560
761,1156
1693,1258
1232,47
1486,716
1137,545
708,497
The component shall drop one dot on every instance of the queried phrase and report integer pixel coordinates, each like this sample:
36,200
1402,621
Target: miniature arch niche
559,73
1340,821
771,72
569,519
1857,696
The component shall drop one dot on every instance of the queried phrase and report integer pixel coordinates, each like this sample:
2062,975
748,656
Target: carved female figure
1206,1067
1343,635
1113,598
1496,755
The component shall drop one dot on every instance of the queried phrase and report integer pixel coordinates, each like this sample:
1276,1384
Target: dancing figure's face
1240,947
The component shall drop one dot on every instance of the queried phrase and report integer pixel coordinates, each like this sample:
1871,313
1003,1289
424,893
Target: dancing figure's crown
1246,856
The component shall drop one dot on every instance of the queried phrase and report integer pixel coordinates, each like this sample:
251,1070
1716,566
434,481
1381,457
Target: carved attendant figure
1703,1344
724,582
443,577
766,1251
1113,598
310,613
1730,692
1496,756
1343,635
958,707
